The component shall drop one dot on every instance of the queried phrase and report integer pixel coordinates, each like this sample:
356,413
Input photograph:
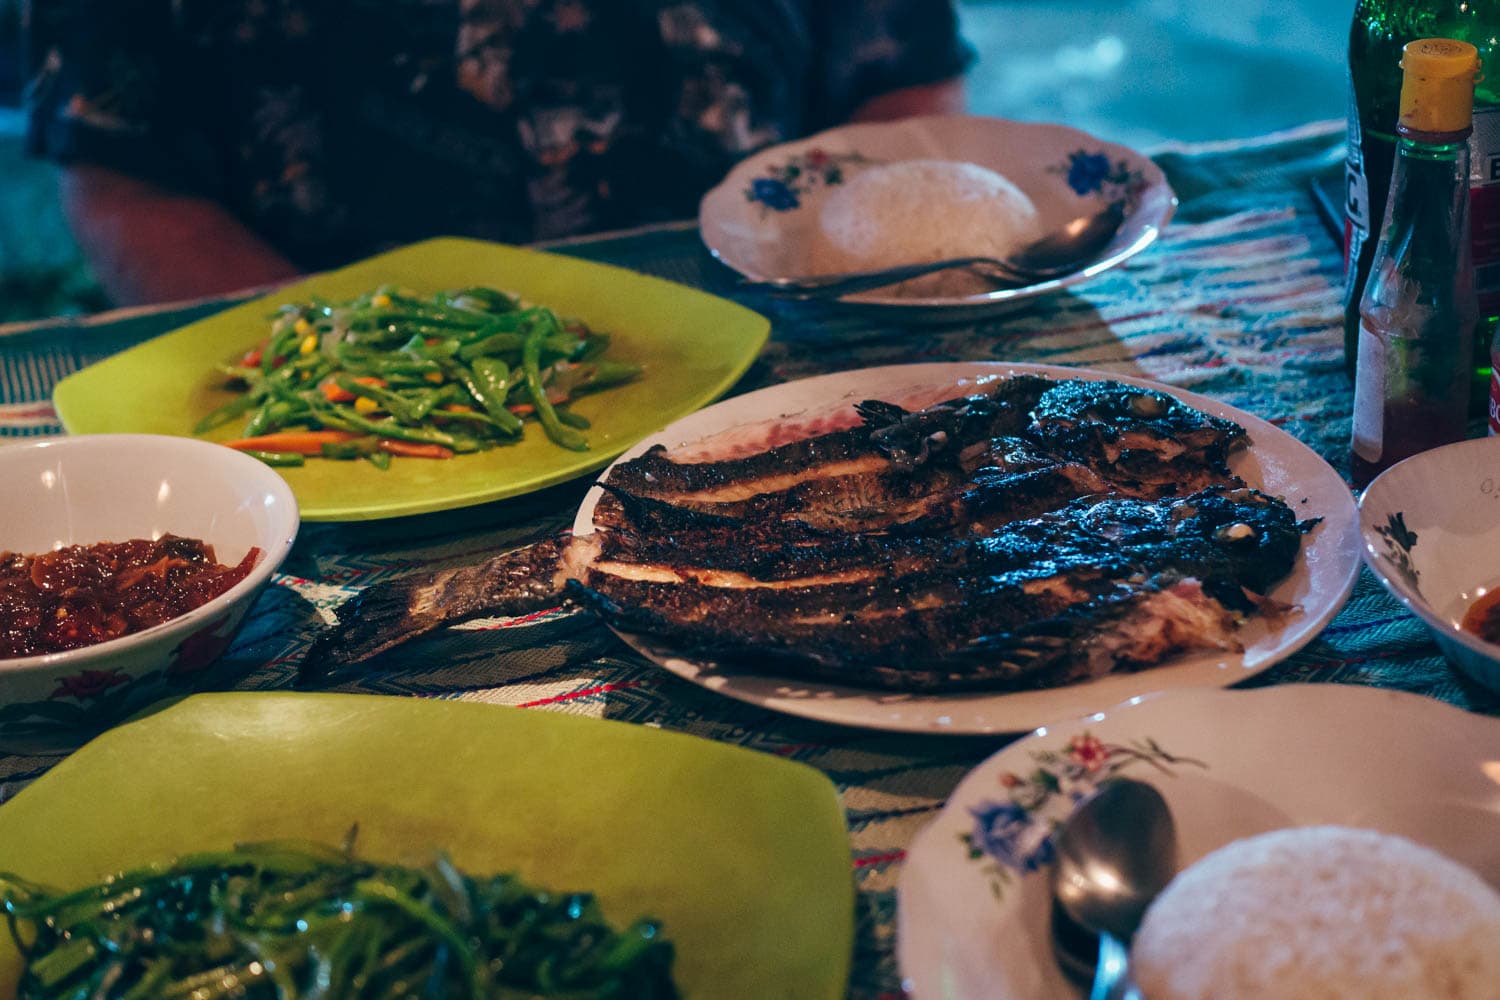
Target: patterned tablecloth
1240,300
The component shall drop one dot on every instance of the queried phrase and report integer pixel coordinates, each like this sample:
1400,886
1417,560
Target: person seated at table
212,146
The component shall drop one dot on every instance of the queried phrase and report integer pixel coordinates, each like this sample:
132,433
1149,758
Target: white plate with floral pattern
1275,462
762,219
973,901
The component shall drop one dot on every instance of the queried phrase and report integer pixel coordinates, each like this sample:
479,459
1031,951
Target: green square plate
743,856
692,345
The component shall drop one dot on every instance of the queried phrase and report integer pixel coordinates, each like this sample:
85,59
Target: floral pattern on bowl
86,701
785,184
1094,173
1014,835
1399,541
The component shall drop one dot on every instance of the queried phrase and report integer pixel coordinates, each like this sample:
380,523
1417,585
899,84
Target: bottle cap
1437,85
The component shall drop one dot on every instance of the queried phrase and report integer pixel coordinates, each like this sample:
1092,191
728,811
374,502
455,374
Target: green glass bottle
1377,32
1419,310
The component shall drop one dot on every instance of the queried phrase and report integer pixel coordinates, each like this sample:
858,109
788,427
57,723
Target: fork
830,286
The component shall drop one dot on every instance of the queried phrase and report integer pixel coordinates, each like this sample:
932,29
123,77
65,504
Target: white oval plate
1230,764
1275,462
763,222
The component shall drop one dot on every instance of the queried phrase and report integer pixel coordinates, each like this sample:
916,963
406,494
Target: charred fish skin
965,465
915,652
756,553
388,614
888,437
1136,434
1098,584
911,438
1109,410
861,501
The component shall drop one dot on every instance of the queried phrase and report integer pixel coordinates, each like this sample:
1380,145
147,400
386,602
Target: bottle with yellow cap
1419,311
1377,32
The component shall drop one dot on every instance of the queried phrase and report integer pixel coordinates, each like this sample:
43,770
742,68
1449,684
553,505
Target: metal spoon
1114,855
1064,251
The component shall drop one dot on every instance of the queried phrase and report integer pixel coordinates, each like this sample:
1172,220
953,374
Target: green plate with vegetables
739,859
442,374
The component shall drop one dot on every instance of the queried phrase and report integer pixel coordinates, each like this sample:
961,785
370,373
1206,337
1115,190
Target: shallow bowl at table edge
764,239
1430,527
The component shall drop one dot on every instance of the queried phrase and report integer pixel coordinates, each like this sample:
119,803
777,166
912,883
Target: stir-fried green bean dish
295,920
396,373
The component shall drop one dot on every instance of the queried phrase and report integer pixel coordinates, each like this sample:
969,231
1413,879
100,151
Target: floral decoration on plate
1014,835
783,186
1399,541
1264,759
91,700
1096,174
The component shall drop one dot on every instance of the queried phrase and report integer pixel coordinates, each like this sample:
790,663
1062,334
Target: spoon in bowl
1115,853
1061,252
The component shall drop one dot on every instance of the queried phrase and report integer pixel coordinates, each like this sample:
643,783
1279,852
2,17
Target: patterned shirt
336,128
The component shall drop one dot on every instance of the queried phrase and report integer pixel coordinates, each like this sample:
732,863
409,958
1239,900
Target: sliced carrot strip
522,409
299,442
335,393
414,449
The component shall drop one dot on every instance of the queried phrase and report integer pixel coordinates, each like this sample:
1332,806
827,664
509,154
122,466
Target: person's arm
942,98
149,244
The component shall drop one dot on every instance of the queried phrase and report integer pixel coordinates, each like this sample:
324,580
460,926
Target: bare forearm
147,244
946,97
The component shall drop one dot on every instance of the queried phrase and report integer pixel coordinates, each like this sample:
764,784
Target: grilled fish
966,464
1096,585
1048,531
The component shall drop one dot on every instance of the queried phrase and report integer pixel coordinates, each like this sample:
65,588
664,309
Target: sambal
81,595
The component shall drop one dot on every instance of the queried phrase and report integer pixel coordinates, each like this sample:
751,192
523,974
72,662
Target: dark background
1138,72
10,51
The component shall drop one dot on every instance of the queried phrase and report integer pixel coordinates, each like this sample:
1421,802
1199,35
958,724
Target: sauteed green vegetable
395,373
298,920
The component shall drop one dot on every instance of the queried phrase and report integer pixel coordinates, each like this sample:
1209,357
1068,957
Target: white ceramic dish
973,923
1431,532
762,219
113,488
1275,462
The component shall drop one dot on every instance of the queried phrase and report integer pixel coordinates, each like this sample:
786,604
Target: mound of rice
1321,912
914,211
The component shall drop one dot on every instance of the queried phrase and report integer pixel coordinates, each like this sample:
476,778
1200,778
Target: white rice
914,211
1322,913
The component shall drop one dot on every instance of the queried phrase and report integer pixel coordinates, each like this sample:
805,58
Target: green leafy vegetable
301,920
461,369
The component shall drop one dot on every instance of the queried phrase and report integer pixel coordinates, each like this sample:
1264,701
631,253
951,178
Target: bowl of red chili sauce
127,565
1431,531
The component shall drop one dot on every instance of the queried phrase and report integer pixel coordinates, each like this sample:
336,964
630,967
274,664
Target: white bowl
117,487
765,226
1431,530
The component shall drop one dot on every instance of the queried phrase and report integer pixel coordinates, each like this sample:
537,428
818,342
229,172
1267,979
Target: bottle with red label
1495,385
1379,30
